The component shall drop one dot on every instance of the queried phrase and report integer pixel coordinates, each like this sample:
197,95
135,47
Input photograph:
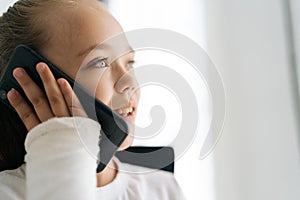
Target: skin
72,49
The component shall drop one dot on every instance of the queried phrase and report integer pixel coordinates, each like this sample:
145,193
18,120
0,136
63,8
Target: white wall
185,17
257,157
4,4
295,8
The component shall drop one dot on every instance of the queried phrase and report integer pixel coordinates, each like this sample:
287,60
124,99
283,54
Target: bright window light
195,176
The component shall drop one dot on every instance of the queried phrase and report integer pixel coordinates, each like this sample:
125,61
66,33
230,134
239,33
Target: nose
126,80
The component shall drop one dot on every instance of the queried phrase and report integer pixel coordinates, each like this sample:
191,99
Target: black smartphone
114,129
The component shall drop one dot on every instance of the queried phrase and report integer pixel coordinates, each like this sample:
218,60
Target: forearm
61,159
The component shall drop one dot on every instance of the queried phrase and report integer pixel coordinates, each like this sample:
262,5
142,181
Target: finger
55,97
25,112
34,94
73,103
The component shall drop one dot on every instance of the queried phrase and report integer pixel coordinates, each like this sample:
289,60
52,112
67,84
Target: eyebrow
85,51
100,46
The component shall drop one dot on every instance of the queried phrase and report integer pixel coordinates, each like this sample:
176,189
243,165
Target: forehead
87,25
76,30
93,26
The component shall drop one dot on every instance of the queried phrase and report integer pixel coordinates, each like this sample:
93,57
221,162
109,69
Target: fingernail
12,93
19,72
61,82
40,68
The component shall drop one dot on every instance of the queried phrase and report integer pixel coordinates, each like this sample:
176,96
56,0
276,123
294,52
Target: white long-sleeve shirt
61,164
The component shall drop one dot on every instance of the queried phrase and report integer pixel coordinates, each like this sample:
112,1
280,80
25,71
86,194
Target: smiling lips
128,113
125,111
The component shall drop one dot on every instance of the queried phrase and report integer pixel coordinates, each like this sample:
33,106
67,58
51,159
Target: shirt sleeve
61,159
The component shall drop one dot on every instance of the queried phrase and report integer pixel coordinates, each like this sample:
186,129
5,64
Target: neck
107,175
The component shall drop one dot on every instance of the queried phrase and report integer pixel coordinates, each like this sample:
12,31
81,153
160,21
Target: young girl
48,160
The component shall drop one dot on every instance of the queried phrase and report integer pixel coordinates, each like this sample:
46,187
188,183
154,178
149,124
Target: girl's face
84,46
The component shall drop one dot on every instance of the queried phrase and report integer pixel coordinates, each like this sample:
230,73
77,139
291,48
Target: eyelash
104,60
98,63
131,63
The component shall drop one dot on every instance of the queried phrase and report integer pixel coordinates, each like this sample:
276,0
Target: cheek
104,92
104,87
100,85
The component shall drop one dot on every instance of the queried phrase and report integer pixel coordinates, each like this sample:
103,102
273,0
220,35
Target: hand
58,100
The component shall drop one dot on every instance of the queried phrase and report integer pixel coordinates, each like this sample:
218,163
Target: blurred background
255,45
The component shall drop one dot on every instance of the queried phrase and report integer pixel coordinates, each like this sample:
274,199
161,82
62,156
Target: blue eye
99,63
131,63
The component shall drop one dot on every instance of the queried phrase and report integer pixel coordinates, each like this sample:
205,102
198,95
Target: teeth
124,110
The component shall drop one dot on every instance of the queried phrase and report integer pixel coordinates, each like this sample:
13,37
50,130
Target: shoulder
145,173
153,183
12,183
